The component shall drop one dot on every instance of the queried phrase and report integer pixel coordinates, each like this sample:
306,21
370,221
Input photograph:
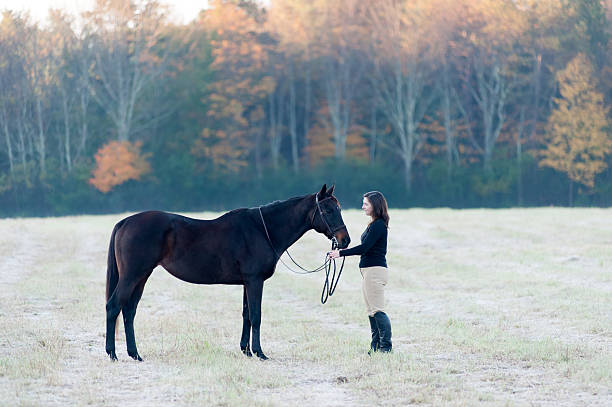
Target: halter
331,231
328,287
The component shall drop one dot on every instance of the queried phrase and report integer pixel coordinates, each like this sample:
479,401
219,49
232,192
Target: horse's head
327,219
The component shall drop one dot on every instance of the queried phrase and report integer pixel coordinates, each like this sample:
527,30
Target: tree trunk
293,121
307,97
83,142
61,156
123,132
333,106
408,171
258,164
66,131
373,135
275,112
519,157
41,140
536,94
9,147
490,95
448,126
340,143
22,150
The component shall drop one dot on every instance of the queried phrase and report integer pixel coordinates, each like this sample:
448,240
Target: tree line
436,102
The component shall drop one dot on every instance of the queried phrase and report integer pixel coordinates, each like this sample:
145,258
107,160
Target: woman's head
375,205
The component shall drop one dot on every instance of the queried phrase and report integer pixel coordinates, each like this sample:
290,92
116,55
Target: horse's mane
274,204
277,203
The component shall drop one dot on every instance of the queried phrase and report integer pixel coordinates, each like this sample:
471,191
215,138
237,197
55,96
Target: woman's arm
376,231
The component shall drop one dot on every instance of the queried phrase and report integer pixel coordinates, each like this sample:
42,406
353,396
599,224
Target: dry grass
508,307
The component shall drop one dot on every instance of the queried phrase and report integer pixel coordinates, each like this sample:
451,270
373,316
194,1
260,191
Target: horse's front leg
254,291
246,325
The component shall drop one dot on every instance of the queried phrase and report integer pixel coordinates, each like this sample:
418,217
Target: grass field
488,307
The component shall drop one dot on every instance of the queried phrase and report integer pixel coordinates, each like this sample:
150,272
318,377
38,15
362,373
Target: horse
238,248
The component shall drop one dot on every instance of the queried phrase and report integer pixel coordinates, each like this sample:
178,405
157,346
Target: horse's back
161,216
194,250
157,217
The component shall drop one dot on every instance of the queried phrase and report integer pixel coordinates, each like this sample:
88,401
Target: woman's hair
379,204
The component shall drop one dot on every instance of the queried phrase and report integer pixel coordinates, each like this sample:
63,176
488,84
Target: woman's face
367,206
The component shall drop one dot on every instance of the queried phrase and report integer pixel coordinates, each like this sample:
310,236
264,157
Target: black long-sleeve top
373,247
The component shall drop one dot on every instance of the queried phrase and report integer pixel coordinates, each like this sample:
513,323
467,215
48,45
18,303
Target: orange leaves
117,162
228,17
321,145
239,55
228,151
577,142
240,88
490,25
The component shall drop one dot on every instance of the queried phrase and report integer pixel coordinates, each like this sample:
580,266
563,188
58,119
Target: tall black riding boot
384,328
375,344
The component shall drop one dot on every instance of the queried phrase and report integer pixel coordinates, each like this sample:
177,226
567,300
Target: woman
373,267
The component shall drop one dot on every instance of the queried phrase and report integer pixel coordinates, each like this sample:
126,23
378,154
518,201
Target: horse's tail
112,271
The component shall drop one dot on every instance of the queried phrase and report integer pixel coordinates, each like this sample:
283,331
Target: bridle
328,287
331,231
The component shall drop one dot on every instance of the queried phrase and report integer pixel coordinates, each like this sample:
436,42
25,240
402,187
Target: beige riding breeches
373,288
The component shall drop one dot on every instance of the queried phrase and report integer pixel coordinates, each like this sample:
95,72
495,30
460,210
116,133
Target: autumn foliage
118,162
451,102
576,140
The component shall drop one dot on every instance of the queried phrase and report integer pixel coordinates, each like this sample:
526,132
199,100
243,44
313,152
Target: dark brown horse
232,249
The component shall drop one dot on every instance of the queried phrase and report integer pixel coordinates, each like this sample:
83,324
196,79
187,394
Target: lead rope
278,256
328,288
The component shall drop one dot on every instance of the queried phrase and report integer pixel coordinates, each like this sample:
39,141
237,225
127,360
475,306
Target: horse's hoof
261,355
246,351
136,357
112,355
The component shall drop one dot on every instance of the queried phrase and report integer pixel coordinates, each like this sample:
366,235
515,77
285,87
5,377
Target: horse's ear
330,191
322,191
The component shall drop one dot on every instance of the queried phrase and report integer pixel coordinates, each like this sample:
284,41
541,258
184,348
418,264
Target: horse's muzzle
343,238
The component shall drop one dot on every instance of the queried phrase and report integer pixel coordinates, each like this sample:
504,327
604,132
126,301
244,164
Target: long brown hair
379,204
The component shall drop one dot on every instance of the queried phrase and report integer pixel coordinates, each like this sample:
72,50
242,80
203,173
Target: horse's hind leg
129,312
111,321
246,326
115,303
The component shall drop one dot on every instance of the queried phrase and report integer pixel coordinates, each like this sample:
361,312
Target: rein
329,287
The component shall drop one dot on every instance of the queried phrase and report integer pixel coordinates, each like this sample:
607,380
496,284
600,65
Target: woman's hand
334,254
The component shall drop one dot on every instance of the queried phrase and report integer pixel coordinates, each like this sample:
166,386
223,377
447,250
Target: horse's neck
288,223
